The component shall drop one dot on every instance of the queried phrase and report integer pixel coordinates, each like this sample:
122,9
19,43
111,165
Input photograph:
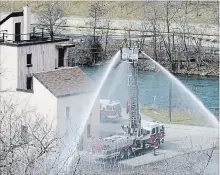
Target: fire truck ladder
134,114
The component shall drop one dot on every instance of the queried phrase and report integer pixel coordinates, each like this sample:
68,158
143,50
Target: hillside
202,12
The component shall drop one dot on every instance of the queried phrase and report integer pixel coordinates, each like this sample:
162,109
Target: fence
36,35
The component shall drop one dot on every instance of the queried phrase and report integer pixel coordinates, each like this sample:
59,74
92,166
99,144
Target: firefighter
155,147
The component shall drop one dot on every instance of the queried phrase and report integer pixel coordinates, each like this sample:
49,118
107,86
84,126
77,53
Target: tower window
29,61
67,113
29,83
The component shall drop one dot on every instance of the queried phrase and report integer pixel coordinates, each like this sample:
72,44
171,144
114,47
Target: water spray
94,97
213,119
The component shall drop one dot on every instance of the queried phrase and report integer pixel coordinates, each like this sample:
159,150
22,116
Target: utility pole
170,100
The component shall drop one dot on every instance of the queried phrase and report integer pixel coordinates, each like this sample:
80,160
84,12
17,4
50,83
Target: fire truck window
157,129
153,131
145,132
162,129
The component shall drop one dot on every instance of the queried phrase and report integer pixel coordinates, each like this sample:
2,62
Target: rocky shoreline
147,65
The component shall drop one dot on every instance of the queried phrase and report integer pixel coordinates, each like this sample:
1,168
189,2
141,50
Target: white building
34,70
69,95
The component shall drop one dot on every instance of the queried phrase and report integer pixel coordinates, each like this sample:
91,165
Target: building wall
43,59
45,102
8,67
39,104
14,62
9,25
21,20
76,123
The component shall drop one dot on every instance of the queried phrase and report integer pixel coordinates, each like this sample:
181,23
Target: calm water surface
154,87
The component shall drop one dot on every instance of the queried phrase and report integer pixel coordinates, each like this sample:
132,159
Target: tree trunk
178,69
186,9
155,35
155,44
168,33
94,37
51,34
129,36
106,40
185,53
197,8
199,55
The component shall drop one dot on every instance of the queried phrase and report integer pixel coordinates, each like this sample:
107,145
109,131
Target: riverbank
148,67
79,56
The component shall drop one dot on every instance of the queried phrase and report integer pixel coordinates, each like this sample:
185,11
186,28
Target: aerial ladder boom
130,55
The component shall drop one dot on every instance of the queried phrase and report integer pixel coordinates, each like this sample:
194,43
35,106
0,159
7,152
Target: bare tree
51,18
154,16
96,11
183,45
95,14
26,140
167,37
197,8
107,25
186,7
129,33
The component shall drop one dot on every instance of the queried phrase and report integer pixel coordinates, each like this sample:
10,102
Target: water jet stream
213,119
92,100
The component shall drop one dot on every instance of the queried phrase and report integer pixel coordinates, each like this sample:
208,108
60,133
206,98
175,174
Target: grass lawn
182,118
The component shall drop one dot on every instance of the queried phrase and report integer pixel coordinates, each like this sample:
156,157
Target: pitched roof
65,81
13,14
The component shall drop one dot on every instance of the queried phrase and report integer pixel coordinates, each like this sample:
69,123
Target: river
154,88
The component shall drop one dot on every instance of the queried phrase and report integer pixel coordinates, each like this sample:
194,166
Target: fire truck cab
109,110
157,132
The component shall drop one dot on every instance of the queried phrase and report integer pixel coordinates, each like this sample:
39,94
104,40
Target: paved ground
179,139
184,146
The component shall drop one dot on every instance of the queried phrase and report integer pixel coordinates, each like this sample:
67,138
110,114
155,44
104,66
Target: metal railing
34,36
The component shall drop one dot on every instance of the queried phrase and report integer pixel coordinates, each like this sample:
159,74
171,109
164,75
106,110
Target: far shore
197,73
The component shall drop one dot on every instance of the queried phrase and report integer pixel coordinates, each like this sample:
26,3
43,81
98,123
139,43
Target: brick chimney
27,22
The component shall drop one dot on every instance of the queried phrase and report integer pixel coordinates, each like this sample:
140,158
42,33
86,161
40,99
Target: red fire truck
125,146
109,110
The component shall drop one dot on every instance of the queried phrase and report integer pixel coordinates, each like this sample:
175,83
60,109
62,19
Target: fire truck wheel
143,145
129,152
138,143
122,154
162,141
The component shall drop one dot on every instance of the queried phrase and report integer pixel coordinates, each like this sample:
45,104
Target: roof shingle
65,81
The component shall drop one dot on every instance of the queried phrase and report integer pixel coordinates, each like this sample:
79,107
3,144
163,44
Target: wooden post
170,100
